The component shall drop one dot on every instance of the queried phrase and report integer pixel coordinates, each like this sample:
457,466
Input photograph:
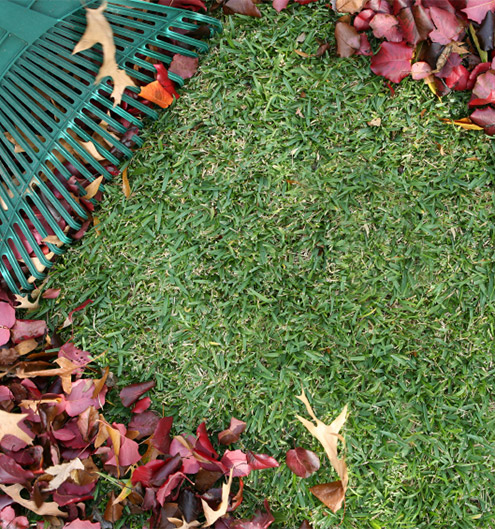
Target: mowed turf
274,240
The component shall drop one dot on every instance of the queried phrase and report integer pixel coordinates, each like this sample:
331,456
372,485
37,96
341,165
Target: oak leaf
213,515
45,509
328,435
98,30
62,472
9,425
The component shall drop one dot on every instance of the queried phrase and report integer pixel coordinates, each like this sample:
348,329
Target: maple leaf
62,472
393,61
45,509
98,30
328,435
9,425
477,9
213,515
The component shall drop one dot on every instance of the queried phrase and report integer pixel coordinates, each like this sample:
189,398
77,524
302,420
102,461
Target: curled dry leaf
98,30
93,188
328,435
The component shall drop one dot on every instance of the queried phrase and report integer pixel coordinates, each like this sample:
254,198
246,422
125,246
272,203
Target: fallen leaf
93,188
464,123
113,510
23,302
62,473
348,39
45,509
155,93
331,494
98,30
302,462
213,515
302,54
184,66
477,9
375,122
349,6
241,7
182,524
126,188
232,433
130,394
393,61
328,435
26,346
51,293
65,372
9,425
68,320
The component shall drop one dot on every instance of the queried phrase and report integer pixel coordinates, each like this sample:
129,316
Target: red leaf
365,47
162,78
448,26
4,335
386,27
82,524
51,293
260,461
144,423
477,70
236,460
393,61
415,23
484,89
173,483
11,472
144,473
82,306
130,394
7,315
458,78
27,329
10,520
362,20
420,70
161,436
477,9
279,5
302,462
232,433
485,117
203,444
242,7
81,397
184,66
141,405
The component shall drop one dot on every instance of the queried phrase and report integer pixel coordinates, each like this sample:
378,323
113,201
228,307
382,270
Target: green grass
273,240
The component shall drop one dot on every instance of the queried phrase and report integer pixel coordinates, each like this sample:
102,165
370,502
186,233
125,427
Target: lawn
275,240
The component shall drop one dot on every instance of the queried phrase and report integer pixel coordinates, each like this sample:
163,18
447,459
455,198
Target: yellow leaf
98,30
125,184
96,221
93,188
211,515
328,435
464,123
26,346
126,490
157,94
9,424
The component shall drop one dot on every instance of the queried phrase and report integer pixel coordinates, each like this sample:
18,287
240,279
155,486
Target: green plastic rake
50,107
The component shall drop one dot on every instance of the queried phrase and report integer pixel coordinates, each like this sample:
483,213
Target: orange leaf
155,93
464,123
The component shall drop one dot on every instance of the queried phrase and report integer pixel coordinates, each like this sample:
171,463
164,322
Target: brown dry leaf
23,302
125,184
62,472
93,188
9,424
96,221
375,122
349,6
348,39
64,372
113,510
331,494
302,54
328,435
34,405
464,123
101,382
98,30
211,515
53,239
45,509
242,7
26,346
182,524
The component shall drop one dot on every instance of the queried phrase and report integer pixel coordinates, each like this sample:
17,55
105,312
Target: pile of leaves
55,445
450,44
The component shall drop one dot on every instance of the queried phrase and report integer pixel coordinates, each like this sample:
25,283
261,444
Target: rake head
58,130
